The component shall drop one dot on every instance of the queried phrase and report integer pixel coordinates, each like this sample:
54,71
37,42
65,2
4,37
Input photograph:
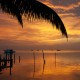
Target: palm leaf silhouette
32,9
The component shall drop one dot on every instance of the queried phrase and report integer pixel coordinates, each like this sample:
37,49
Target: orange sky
40,34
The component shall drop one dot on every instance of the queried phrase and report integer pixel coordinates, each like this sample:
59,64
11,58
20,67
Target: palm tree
32,9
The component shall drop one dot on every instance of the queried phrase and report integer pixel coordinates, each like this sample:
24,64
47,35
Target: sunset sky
41,34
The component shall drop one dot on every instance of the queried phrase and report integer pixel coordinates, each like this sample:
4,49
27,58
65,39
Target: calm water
52,65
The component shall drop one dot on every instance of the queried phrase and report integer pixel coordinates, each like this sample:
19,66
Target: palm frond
34,9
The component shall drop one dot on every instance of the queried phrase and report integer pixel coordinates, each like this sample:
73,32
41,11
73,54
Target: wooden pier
6,61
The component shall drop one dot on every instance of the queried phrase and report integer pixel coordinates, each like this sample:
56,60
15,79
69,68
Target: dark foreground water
50,65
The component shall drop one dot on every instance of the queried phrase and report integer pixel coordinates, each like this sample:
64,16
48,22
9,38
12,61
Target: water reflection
55,59
44,61
34,65
43,65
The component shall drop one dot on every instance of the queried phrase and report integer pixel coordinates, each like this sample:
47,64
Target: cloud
72,44
65,3
40,34
64,6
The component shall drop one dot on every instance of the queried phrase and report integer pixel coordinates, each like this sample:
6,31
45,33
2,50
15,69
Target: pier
7,60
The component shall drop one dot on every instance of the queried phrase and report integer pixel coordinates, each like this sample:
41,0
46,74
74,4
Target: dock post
5,62
19,59
34,65
0,63
0,59
14,58
55,60
43,61
43,57
6,56
11,62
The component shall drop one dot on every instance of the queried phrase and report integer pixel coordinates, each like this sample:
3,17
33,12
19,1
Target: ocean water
44,65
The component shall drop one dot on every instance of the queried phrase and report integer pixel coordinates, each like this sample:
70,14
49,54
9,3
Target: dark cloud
24,39
64,2
76,11
72,44
72,6
5,23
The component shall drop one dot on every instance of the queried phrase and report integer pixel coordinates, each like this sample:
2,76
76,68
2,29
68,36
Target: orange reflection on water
51,66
